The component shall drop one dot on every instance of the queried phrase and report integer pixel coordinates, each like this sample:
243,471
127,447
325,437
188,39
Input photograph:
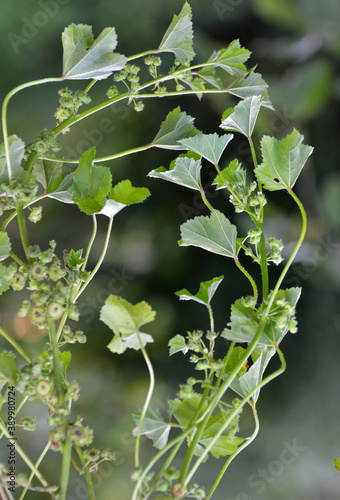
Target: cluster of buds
153,62
70,102
129,76
46,141
95,457
20,189
50,294
35,379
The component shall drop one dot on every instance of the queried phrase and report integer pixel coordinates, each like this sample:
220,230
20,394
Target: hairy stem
88,478
56,361
248,276
37,463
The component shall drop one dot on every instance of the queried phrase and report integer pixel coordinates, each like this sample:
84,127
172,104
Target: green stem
234,413
77,292
15,344
86,472
23,229
240,448
4,114
89,246
263,252
56,361
65,468
23,455
204,198
247,275
37,463
147,400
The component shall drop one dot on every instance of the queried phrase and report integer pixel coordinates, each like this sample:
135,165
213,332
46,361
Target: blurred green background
296,45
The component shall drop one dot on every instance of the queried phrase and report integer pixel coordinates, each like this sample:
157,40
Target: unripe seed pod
18,281
43,388
38,271
178,490
55,310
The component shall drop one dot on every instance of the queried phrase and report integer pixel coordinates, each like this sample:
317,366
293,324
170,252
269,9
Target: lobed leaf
178,38
233,174
177,125
210,146
282,161
249,85
48,173
177,344
215,234
153,427
232,58
125,193
206,291
91,184
86,58
185,172
125,320
243,116
61,192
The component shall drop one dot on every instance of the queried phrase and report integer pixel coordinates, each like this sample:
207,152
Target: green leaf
249,85
122,195
49,173
91,184
185,172
16,148
65,358
233,174
185,410
5,283
282,161
86,58
244,116
210,146
232,58
215,234
177,344
125,193
206,291
179,36
244,320
247,382
5,245
8,370
177,125
74,258
153,427
61,192
226,444
125,320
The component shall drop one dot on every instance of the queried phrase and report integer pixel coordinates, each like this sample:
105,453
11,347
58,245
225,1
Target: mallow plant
202,422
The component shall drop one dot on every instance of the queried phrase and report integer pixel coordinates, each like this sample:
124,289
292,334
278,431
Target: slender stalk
77,293
147,400
56,361
204,198
247,275
65,468
37,463
86,473
14,344
234,413
263,253
234,455
4,114
23,229
89,246
24,456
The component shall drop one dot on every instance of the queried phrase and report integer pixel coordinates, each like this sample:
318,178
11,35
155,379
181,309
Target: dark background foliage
296,45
